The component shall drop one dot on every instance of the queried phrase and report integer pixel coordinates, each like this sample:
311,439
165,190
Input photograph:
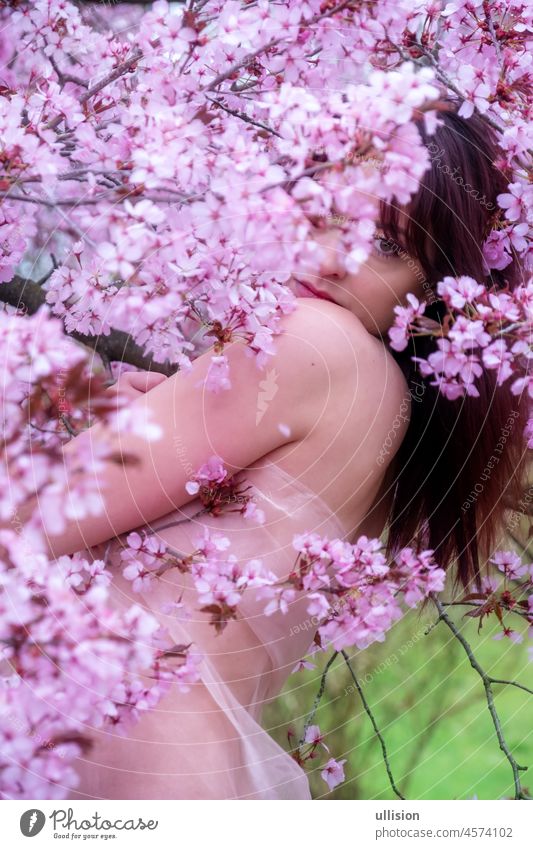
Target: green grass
430,706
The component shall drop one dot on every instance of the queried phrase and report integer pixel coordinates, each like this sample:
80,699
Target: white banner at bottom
264,825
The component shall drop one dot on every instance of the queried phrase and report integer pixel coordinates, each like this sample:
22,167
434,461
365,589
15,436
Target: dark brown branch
374,725
118,346
64,76
104,197
487,683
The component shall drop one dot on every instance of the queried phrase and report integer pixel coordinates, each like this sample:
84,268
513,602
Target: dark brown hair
462,463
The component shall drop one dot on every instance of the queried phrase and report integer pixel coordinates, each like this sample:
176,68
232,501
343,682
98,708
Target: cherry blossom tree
146,150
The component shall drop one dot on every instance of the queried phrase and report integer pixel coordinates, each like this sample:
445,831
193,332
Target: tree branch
501,602
97,87
374,725
28,296
487,683
244,117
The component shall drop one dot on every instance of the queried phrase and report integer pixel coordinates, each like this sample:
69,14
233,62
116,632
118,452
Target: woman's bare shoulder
359,394
357,364
343,343
325,323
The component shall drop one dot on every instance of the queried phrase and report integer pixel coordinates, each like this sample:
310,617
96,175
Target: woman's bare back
347,455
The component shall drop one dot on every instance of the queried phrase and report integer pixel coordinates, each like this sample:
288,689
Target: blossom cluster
352,589
155,156
71,662
484,329
69,658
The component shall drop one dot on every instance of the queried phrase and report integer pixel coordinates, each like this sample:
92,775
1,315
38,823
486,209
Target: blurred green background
430,706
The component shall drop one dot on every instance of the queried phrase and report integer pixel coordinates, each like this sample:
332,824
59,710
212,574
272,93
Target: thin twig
97,87
444,78
318,697
374,725
479,604
512,683
487,683
490,24
244,117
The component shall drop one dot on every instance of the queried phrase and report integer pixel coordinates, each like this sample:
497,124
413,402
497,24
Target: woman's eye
384,247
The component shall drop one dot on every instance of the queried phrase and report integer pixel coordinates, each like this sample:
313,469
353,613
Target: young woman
316,460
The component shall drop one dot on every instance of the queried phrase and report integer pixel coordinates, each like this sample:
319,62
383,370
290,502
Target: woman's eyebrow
400,241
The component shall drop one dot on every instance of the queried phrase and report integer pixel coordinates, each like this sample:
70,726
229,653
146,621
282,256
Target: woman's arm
240,425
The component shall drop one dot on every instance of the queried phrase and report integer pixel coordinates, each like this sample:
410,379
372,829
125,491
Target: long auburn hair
441,465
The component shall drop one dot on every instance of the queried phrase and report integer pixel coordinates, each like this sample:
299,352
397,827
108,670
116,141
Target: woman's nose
331,263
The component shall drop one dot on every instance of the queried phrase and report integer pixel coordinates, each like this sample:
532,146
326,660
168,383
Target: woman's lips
308,292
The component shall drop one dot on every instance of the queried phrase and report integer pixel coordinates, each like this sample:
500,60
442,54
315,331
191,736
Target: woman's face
381,283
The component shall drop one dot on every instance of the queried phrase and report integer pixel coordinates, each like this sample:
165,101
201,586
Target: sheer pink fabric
209,743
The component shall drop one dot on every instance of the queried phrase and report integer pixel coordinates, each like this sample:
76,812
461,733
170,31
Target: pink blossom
496,253
457,291
510,564
398,334
515,200
333,772
314,736
510,634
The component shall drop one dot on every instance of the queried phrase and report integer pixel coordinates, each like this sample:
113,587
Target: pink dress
209,743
